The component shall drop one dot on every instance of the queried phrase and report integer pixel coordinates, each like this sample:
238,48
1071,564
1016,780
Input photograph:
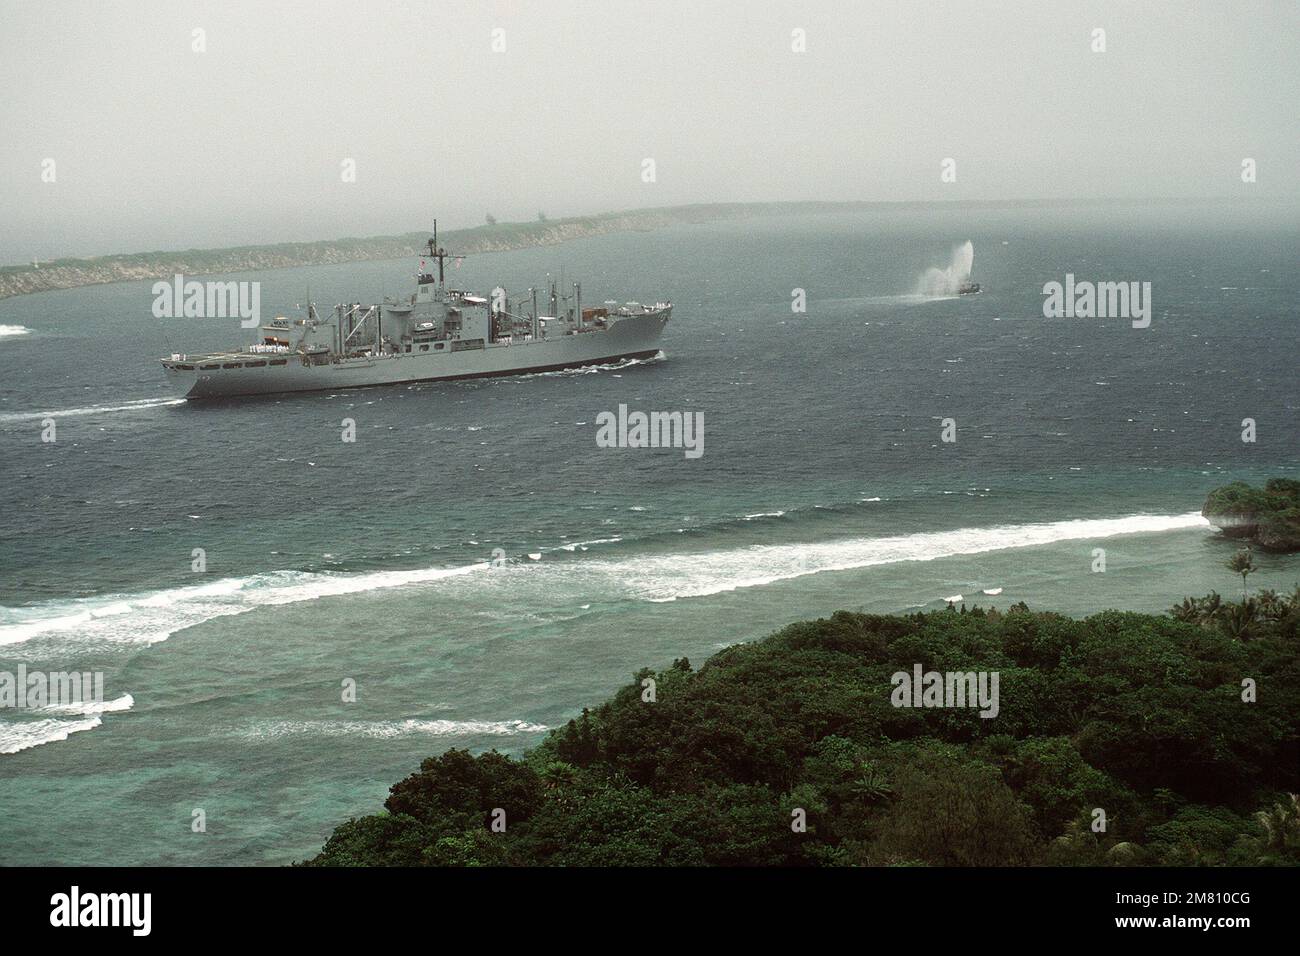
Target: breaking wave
25,734
93,707
671,576
663,576
19,735
153,617
390,729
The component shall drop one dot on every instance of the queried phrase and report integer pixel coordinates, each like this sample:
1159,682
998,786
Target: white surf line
153,617
390,729
24,735
17,736
667,578
91,708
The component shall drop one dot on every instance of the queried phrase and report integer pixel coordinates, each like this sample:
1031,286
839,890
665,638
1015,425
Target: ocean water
481,569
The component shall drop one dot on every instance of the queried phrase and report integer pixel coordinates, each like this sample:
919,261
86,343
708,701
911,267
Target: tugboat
968,287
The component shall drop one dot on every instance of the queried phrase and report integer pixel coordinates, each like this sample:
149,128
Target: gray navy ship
434,334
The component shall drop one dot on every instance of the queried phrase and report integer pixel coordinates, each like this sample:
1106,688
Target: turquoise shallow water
823,485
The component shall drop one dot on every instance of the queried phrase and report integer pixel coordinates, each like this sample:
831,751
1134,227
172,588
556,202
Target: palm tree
1212,606
1203,611
872,784
1242,563
1189,611
1238,620
1281,823
557,775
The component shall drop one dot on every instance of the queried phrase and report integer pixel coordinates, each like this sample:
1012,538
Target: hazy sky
158,146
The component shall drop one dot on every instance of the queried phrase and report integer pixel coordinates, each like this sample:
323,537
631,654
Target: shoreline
69,273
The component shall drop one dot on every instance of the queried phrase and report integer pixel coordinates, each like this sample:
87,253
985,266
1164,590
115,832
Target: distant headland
495,237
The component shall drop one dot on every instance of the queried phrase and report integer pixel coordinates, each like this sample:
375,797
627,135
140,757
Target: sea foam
25,734
666,576
152,617
672,576
19,735
390,729
133,406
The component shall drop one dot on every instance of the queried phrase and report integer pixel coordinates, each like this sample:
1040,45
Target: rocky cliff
1268,518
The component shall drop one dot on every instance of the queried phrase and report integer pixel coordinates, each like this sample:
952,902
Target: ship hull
630,338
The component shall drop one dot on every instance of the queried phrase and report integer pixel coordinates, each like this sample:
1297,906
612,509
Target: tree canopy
1120,739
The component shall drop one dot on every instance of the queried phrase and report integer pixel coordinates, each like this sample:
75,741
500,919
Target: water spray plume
948,281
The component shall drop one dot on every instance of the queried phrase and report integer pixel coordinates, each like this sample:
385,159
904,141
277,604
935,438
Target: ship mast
437,252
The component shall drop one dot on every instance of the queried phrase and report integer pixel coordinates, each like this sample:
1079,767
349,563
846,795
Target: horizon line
772,205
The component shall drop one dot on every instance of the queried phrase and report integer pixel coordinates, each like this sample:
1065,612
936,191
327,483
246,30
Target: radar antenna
438,252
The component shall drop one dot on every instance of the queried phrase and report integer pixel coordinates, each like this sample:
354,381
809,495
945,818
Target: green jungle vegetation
1183,729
